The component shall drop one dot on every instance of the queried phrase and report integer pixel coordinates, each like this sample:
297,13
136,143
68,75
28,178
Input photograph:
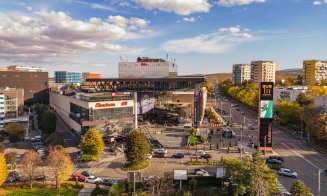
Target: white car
93,179
287,172
198,153
162,150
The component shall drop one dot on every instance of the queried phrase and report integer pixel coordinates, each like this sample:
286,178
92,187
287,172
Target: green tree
209,87
289,112
14,129
40,110
263,181
49,122
137,147
3,169
316,124
92,142
298,188
304,100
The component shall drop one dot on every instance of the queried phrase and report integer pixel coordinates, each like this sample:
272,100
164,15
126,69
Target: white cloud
42,35
180,7
229,3
219,41
319,2
187,19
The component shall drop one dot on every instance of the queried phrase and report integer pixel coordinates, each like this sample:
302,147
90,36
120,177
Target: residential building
241,73
314,71
67,77
34,83
320,103
289,93
263,71
90,75
2,110
147,68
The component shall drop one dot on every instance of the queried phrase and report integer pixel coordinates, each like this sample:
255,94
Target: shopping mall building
82,111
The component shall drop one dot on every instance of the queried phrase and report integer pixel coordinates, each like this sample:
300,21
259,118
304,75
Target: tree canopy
289,112
49,122
14,129
29,164
3,169
92,142
137,147
298,188
60,165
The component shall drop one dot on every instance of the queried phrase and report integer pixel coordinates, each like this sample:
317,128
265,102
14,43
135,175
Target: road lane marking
300,156
311,155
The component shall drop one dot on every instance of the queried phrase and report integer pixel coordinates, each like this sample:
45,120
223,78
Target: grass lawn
87,158
131,167
66,190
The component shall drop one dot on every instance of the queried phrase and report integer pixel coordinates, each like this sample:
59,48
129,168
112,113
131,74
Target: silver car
287,172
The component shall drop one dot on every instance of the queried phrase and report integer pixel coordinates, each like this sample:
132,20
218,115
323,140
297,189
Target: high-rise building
34,83
263,71
26,68
314,71
68,77
147,68
241,73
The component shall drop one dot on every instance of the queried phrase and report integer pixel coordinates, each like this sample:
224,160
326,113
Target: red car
79,177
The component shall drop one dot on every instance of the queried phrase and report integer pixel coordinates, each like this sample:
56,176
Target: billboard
266,109
265,113
180,174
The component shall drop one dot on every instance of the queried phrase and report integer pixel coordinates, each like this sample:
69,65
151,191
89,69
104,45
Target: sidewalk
85,191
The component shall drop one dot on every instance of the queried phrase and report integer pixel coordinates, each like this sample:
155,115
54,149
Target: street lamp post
319,171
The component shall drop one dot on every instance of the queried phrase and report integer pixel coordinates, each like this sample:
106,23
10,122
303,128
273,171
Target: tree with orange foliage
61,165
30,162
3,169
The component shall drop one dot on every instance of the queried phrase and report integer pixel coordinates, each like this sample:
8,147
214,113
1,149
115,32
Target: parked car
206,156
281,159
287,172
109,182
162,150
12,177
93,179
41,177
273,161
78,177
201,172
178,156
86,173
198,153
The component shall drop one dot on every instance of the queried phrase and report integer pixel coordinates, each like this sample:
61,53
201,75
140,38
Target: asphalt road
299,156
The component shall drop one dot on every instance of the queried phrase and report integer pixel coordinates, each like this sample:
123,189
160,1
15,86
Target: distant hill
298,71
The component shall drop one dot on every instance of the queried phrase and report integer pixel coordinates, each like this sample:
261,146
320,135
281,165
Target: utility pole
242,143
319,171
230,113
265,147
301,126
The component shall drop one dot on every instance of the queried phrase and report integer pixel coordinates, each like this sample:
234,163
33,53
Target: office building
34,83
320,104
26,68
289,93
147,68
241,73
314,71
99,110
11,104
263,71
90,75
67,77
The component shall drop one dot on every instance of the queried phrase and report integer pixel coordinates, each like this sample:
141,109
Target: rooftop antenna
121,58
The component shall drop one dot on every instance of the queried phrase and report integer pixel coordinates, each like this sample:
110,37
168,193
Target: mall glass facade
68,77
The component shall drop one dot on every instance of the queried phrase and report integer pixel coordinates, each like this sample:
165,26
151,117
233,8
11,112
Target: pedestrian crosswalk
281,188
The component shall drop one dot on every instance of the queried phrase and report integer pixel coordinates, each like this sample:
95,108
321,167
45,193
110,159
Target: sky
202,36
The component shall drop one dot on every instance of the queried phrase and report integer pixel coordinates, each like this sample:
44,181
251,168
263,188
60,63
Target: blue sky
204,36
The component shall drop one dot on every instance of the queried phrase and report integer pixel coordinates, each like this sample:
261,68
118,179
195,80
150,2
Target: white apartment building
241,73
289,93
147,68
320,103
263,71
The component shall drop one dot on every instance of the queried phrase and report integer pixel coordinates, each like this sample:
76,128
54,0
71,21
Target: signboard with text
265,113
